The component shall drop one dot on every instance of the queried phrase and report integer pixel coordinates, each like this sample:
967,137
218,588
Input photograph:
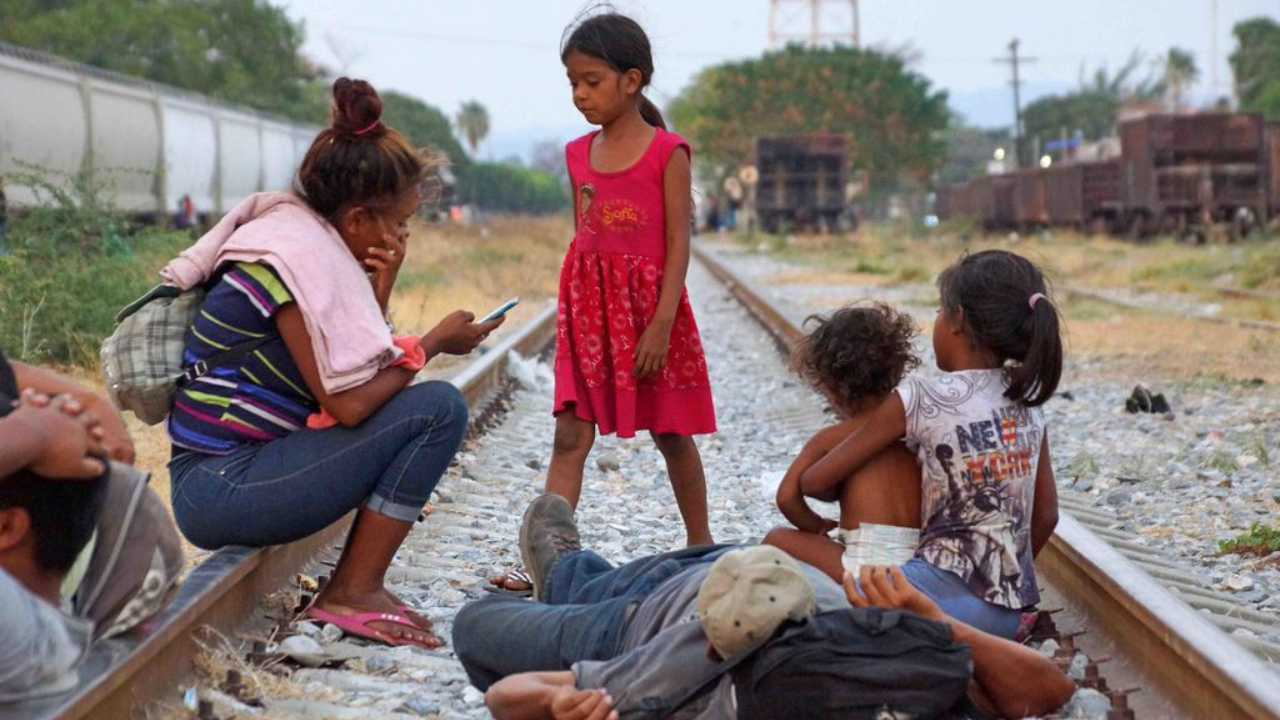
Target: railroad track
1171,630
1186,666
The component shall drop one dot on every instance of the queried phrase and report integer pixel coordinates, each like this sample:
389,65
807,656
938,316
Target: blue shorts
957,600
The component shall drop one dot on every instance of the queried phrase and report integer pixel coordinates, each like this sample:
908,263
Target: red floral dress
609,288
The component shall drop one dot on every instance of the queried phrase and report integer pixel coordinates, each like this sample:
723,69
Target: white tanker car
153,143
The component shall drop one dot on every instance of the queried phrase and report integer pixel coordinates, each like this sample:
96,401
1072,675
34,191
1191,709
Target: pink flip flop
358,625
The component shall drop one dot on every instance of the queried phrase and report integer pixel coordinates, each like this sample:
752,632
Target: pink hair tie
372,126
1034,298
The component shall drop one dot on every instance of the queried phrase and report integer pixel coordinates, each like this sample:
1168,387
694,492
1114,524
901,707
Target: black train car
802,181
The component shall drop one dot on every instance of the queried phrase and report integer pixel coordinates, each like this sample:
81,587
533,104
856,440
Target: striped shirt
257,398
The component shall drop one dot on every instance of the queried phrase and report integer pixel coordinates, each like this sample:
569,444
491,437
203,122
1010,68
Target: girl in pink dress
628,355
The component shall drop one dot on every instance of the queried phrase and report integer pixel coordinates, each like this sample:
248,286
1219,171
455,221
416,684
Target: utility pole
1213,52
1014,61
814,22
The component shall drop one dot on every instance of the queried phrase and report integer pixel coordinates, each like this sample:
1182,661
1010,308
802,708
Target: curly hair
858,353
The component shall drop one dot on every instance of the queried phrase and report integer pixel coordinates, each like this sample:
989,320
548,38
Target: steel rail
225,590
1173,648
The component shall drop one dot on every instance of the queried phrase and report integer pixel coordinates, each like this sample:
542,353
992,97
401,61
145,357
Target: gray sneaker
547,532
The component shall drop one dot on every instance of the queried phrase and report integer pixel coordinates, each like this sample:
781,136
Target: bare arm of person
886,425
1015,680
51,438
651,349
1044,510
547,696
115,436
456,334
790,498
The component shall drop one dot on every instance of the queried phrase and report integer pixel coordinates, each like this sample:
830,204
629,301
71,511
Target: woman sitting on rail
316,416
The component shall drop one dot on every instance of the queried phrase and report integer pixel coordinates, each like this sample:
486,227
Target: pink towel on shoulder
414,358
348,332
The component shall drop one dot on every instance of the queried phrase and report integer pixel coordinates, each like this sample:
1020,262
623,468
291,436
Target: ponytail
651,113
1006,311
1035,378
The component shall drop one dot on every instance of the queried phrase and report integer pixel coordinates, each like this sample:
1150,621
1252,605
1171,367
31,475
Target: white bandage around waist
877,545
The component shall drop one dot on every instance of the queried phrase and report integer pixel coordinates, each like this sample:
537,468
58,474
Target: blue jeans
586,605
280,491
957,600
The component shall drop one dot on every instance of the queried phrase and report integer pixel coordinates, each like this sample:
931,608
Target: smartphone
501,310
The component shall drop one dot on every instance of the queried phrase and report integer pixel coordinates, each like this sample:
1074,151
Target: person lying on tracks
728,632
855,357
989,498
318,417
51,478
126,570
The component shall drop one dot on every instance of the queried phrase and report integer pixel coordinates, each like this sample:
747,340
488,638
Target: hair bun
357,109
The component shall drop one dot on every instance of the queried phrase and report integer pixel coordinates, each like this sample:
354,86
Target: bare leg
684,466
420,620
357,584
819,551
573,440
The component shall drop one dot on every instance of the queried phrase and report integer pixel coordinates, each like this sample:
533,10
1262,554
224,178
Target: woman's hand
456,334
571,703
651,350
385,263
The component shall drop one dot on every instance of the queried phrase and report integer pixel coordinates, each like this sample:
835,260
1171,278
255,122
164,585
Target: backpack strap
202,367
710,676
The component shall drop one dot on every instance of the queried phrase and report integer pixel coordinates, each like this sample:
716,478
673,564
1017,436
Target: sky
504,53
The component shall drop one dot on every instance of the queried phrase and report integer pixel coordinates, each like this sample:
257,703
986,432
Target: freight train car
150,143
802,181
1084,195
1185,171
1176,173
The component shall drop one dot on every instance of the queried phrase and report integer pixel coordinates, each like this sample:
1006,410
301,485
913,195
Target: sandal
358,626
515,576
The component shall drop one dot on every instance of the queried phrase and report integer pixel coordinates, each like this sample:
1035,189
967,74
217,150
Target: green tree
1091,108
242,51
1256,64
509,188
1180,72
473,123
423,125
891,114
969,149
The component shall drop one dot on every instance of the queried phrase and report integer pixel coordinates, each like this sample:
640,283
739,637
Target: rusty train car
1175,173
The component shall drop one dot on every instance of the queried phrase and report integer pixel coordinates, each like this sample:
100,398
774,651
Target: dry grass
446,268
1124,341
879,255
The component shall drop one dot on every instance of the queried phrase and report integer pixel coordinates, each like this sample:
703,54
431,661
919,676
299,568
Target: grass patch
1260,540
75,262
420,278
